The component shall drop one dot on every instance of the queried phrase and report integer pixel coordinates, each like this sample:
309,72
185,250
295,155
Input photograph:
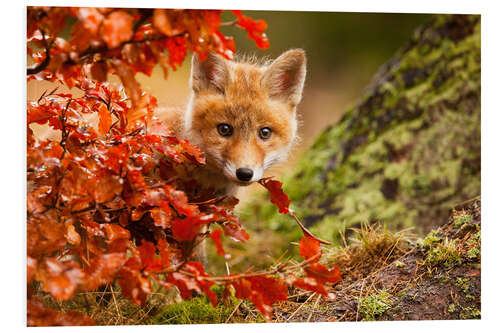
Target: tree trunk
407,152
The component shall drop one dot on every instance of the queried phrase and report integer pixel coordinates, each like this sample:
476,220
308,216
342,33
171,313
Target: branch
41,66
92,51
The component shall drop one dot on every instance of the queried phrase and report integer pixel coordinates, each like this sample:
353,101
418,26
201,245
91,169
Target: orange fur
247,97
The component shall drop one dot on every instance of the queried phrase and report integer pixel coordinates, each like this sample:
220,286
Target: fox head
242,115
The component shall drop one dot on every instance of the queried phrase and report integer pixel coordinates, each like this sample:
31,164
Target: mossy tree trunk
408,151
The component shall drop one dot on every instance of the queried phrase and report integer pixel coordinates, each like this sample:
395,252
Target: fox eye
265,133
225,129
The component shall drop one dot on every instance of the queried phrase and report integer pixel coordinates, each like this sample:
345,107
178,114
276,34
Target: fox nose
244,174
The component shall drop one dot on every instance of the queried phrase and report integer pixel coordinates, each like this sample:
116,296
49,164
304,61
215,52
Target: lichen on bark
407,151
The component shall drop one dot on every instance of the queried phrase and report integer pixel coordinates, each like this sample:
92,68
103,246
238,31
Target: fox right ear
213,73
284,78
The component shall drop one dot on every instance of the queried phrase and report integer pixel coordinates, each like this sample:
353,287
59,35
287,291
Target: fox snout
244,174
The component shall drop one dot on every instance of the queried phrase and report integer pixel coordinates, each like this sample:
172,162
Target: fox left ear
285,77
213,73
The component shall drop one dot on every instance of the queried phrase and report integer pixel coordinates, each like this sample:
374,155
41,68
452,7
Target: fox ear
285,77
213,73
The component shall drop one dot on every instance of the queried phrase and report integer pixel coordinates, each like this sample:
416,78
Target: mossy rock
406,153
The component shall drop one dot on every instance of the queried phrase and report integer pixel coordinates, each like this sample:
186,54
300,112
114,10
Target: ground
386,276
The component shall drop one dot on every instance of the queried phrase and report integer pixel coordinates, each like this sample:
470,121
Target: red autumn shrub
115,202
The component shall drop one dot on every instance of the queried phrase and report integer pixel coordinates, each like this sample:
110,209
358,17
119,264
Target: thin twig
114,301
234,310
300,307
306,231
359,299
41,66
314,307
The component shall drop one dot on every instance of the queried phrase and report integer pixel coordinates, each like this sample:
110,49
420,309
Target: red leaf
134,285
317,276
323,274
187,229
310,247
31,268
39,315
184,283
114,232
71,235
102,269
262,291
60,279
216,237
117,28
136,179
151,262
310,284
231,225
255,29
197,269
278,197
99,71
161,217
104,119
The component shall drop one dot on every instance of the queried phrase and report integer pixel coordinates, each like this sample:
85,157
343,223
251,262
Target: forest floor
386,276
389,277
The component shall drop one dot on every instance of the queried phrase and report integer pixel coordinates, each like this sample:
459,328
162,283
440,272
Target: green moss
463,284
399,264
197,310
452,308
444,280
431,239
474,252
470,312
374,305
474,244
446,253
461,219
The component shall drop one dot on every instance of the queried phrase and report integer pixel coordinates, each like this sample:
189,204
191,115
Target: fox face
242,115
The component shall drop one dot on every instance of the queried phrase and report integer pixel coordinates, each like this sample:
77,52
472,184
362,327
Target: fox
242,115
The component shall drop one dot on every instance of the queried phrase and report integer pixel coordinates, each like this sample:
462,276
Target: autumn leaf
39,315
114,232
162,22
323,274
216,237
309,247
117,28
262,291
102,269
60,279
104,119
278,197
188,228
99,71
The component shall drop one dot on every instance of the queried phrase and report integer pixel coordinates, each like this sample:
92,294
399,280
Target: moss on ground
372,306
197,310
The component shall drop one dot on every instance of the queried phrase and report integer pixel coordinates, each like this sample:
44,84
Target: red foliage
309,248
105,204
278,197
